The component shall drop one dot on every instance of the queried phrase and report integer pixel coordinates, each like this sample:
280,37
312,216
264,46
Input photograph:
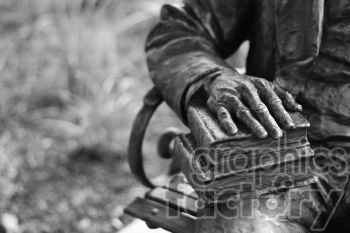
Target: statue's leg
292,211
332,160
320,207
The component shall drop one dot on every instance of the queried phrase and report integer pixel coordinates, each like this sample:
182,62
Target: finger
250,95
212,104
244,114
277,109
274,104
226,121
288,100
223,115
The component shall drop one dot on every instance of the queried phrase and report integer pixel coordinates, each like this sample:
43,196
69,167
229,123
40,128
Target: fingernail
276,133
262,133
299,107
289,124
232,131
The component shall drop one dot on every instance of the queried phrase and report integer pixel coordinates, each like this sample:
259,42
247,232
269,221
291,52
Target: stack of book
243,165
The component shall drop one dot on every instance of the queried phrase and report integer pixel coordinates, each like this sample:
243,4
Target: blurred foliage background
72,76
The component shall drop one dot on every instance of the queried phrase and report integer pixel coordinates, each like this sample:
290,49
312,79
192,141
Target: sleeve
188,45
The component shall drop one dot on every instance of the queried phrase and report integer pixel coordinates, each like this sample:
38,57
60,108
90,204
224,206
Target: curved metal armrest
150,103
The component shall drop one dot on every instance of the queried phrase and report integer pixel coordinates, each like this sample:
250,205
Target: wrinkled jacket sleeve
187,46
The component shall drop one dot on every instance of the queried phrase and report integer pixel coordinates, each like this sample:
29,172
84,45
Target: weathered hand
257,103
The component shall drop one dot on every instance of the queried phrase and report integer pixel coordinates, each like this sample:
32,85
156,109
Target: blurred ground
72,77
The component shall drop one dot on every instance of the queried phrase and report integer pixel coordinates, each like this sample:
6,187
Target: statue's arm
187,46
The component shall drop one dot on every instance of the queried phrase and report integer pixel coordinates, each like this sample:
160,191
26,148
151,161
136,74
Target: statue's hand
257,103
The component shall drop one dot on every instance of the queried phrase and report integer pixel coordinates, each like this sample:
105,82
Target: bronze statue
299,49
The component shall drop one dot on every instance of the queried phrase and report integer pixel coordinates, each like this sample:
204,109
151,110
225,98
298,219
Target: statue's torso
327,94
334,54
333,63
